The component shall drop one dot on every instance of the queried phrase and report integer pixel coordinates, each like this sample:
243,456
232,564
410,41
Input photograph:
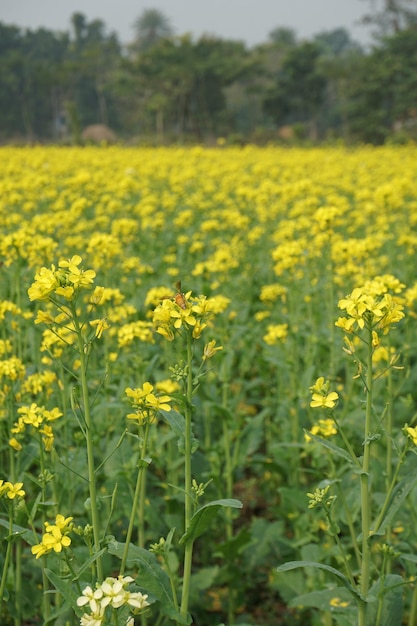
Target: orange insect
179,297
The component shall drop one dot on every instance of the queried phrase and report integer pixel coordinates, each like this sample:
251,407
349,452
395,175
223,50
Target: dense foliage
168,88
282,370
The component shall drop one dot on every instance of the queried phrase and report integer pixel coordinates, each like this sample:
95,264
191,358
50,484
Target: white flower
90,597
137,599
114,594
95,619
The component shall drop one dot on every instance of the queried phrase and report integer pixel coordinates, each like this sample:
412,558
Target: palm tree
150,27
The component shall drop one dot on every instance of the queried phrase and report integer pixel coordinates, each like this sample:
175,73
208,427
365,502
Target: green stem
141,522
365,489
389,492
18,584
188,555
339,544
8,553
45,581
90,447
413,611
138,490
229,494
381,591
350,524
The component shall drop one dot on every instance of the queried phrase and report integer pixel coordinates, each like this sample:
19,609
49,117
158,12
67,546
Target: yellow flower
326,401
338,603
13,442
325,428
44,318
320,396
66,292
182,316
210,349
412,433
320,386
55,537
46,281
76,276
14,490
276,333
146,403
101,326
63,523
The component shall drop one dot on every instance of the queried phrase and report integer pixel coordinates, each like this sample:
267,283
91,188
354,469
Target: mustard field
207,386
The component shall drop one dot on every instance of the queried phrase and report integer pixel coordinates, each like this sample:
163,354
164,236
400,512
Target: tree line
165,88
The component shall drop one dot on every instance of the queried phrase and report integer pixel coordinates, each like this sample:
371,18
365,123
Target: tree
29,75
150,27
391,16
92,58
336,43
180,84
283,36
383,88
299,88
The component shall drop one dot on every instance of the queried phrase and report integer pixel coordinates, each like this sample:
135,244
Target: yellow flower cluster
324,428
372,305
55,538
39,419
276,333
321,397
184,311
146,403
65,281
11,490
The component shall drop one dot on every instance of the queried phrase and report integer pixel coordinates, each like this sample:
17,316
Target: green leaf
331,446
19,531
65,589
251,437
295,564
399,494
151,577
201,520
87,563
231,548
321,599
391,589
177,423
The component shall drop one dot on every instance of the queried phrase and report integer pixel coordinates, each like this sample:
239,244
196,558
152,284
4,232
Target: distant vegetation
163,88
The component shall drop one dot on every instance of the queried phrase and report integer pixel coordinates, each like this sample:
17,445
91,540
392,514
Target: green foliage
167,88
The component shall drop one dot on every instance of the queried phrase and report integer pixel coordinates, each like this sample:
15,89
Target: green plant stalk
90,447
365,490
330,298
141,522
381,593
335,534
188,554
18,584
229,494
351,527
135,503
45,581
388,429
413,610
8,553
390,491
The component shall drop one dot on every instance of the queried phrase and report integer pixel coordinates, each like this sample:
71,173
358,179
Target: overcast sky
246,20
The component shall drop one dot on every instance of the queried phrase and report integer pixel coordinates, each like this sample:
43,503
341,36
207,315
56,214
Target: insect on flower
179,297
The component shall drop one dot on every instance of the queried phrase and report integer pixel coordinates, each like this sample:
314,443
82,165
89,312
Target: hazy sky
247,20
